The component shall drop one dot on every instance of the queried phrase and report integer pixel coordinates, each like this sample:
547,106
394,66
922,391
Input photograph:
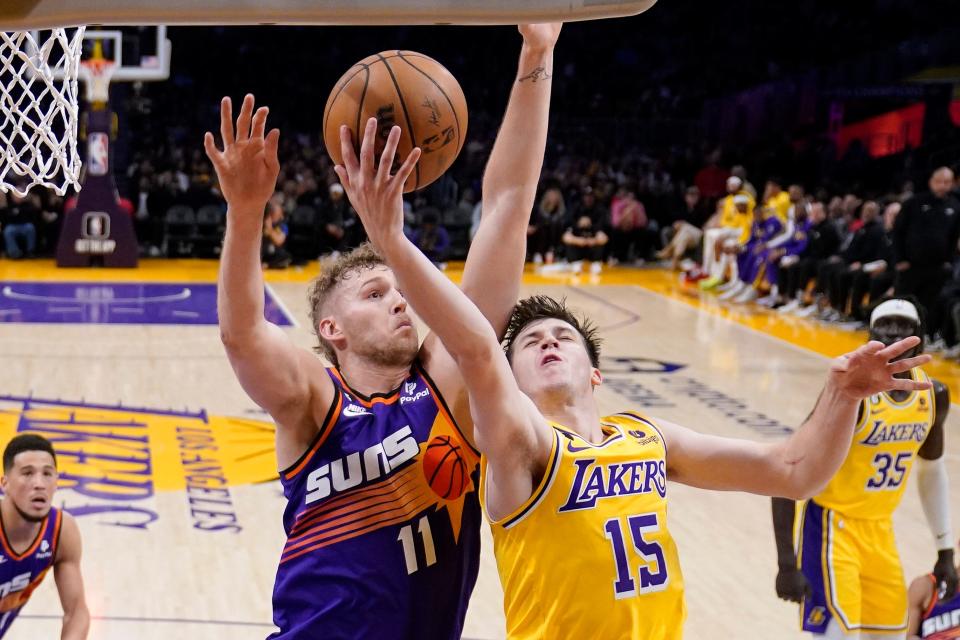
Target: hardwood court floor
160,562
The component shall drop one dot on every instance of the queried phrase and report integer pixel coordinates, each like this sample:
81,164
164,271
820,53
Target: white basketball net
38,112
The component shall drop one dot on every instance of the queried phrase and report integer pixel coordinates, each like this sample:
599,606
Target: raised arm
801,465
275,374
521,439
66,573
494,268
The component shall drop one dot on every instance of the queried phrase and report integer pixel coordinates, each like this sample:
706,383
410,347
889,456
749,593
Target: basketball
444,468
402,88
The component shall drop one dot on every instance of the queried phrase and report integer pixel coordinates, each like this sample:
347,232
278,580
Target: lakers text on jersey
589,555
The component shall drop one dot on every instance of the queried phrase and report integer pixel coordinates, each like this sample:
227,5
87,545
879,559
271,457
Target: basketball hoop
96,74
38,110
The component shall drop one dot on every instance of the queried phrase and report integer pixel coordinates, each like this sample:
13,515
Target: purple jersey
942,619
21,573
382,521
798,241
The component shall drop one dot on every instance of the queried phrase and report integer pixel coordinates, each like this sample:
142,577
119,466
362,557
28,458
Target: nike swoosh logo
573,449
353,413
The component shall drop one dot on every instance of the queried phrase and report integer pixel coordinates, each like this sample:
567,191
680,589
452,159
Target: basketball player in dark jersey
35,535
376,453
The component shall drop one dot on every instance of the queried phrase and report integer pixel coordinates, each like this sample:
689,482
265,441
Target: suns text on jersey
882,432
595,481
946,621
361,466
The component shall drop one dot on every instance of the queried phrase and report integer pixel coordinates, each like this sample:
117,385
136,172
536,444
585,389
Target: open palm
247,168
870,369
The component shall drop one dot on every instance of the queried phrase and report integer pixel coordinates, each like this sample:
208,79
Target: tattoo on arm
540,73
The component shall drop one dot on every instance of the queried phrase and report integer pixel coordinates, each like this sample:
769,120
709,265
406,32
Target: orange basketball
402,88
444,468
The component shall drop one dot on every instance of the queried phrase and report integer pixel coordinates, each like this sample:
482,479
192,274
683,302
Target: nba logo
409,387
97,154
95,225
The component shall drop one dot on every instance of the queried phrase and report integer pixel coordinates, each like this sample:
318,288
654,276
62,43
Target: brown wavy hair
537,308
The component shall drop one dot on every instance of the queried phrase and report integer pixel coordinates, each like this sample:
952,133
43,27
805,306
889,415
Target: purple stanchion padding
118,303
97,232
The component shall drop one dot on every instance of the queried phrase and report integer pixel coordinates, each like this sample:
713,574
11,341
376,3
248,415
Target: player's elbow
801,488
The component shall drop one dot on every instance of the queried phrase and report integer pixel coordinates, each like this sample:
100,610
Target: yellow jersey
870,483
780,205
730,218
589,555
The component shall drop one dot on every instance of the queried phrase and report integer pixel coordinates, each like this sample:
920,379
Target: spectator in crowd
585,240
330,220
547,225
432,238
629,232
712,178
834,275
19,219
925,244
823,241
875,278
273,255
739,171
686,233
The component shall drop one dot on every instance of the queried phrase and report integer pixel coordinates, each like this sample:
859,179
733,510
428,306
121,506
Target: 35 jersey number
625,586
890,471
408,539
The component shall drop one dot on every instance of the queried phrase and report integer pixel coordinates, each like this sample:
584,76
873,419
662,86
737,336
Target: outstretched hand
540,36
376,195
870,370
247,168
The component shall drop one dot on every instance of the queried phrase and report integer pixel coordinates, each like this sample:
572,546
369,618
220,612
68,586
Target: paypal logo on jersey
594,481
409,395
362,466
44,551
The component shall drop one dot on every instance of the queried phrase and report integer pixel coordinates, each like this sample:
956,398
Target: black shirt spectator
925,243
926,231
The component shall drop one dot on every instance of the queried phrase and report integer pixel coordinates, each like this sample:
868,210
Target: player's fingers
388,154
243,120
343,175
908,363
899,347
259,122
350,162
366,146
270,146
407,167
900,384
226,121
871,348
211,148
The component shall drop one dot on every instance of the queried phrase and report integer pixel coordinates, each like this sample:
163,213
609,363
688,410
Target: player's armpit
518,443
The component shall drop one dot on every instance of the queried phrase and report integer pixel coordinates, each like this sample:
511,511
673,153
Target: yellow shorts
854,571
